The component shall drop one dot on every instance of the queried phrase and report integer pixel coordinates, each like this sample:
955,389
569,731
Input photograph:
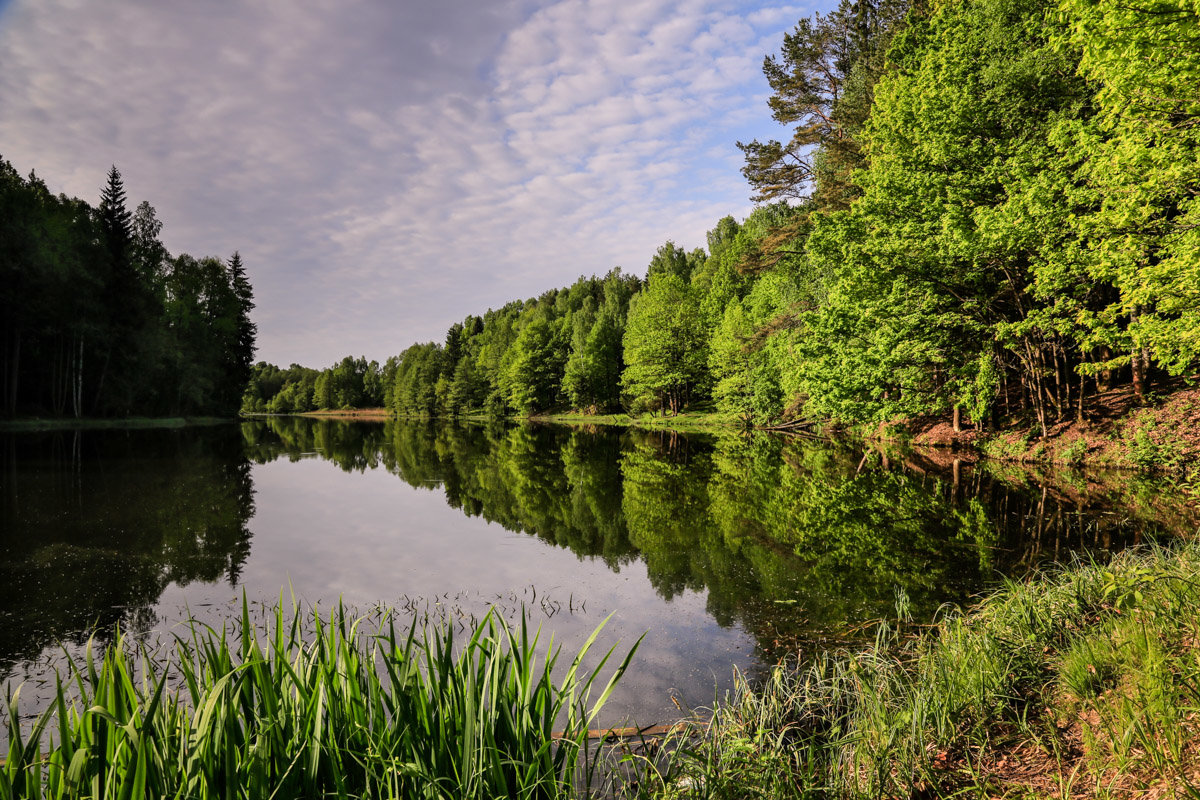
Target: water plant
338,711
1082,679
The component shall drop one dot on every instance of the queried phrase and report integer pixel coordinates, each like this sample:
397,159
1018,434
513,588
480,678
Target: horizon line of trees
985,208
97,318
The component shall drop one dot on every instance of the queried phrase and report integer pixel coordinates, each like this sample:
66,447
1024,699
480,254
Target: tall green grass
1083,682
334,712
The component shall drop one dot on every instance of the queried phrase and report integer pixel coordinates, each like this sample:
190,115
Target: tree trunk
100,381
13,373
78,393
1147,371
1079,407
1104,379
1044,392
957,419
60,379
1139,375
1061,398
1003,390
1036,388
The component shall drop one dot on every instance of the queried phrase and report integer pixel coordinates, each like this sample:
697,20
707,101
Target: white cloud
387,168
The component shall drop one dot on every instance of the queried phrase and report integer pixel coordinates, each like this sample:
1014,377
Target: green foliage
527,357
929,714
999,210
98,319
592,376
415,385
351,713
665,344
1144,166
670,259
746,375
535,365
1155,449
1074,453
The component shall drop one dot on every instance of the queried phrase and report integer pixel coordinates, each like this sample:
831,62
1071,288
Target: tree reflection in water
792,539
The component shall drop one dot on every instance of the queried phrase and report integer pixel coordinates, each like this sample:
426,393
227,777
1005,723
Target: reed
334,711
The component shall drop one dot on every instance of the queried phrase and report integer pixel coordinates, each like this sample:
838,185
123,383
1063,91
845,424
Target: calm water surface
731,551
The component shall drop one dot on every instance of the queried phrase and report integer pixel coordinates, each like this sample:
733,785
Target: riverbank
684,422
696,421
1081,683
1161,434
348,413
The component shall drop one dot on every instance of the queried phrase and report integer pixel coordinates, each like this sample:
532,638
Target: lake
726,551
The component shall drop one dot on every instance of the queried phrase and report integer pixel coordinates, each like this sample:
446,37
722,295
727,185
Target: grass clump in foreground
1080,683
340,713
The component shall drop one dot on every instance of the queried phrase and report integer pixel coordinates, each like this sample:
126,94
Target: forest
97,319
981,209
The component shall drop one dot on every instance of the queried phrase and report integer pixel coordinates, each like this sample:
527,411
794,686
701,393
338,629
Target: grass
687,421
698,421
1085,682
343,713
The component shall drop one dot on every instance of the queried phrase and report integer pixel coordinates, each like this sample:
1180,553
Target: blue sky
386,168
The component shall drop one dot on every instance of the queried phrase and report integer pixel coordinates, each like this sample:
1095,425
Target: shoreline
43,424
1161,436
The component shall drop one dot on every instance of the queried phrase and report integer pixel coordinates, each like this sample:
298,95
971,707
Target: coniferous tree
245,331
96,317
128,301
115,219
821,84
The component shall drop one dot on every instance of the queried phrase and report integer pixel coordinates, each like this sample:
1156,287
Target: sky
387,167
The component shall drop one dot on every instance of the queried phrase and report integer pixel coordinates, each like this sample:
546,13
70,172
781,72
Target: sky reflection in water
726,552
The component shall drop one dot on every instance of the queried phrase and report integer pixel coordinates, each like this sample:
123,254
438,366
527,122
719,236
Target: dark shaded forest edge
99,322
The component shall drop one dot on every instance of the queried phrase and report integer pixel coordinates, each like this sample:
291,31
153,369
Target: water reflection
717,541
96,524
792,540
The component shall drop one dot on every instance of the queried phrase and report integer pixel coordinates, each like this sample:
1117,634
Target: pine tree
247,331
822,89
115,218
127,301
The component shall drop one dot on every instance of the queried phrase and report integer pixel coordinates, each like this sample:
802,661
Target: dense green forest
985,208
98,319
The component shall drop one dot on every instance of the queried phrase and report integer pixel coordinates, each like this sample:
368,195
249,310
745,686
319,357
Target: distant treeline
98,319
985,208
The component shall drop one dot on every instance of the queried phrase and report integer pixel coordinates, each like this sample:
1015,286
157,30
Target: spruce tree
127,302
115,218
246,331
